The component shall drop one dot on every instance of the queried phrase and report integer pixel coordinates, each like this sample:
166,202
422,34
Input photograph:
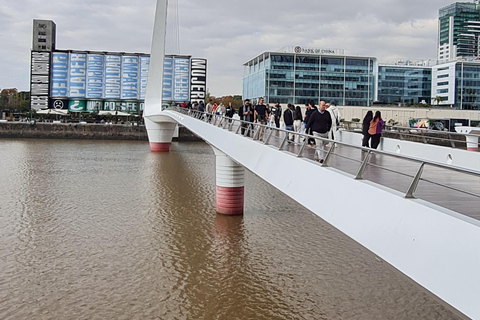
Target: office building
459,30
404,82
457,84
299,75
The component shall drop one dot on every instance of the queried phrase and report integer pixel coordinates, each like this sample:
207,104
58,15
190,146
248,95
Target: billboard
144,65
76,105
59,85
130,73
181,79
198,79
113,75
95,69
39,80
167,79
77,75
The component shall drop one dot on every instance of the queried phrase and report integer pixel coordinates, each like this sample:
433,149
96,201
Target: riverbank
47,130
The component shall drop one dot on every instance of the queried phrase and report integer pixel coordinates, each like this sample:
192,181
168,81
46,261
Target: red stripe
230,201
473,149
160,146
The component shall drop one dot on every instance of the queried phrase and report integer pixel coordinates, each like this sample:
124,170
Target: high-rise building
459,30
44,35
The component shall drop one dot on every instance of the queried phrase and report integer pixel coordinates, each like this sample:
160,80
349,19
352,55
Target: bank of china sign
319,51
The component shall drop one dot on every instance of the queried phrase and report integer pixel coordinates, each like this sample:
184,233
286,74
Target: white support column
230,185
160,135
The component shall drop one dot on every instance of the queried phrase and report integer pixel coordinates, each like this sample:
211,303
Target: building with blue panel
404,83
299,75
92,81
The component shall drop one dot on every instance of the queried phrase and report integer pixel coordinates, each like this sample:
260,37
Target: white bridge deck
420,216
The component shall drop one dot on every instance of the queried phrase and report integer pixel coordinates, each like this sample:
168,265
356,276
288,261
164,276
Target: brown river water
108,230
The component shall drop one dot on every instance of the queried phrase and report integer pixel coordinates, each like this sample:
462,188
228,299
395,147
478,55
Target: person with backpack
375,129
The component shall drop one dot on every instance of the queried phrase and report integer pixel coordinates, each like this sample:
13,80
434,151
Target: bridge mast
159,128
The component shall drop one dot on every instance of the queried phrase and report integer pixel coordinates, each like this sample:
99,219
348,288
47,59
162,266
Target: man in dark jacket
230,111
288,120
320,122
246,114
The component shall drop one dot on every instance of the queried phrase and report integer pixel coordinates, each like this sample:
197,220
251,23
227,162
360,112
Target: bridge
415,206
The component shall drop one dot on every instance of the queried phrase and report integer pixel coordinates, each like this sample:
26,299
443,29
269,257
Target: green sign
76,105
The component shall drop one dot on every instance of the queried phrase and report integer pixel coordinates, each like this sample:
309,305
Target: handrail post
324,164
452,142
284,142
300,153
413,187
362,168
269,135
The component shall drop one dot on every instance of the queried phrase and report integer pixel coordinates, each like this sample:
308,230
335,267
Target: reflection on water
108,230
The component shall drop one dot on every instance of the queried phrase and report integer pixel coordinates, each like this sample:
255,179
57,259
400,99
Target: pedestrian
288,120
221,110
365,127
309,108
375,129
297,123
335,115
201,107
320,122
260,116
209,110
275,115
229,111
246,115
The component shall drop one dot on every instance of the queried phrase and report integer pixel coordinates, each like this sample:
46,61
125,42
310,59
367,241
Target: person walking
320,122
375,129
309,108
288,120
260,116
297,123
246,114
365,127
335,115
229,111
209,110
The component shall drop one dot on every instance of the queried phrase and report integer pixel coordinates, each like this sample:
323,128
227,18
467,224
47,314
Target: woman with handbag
375,129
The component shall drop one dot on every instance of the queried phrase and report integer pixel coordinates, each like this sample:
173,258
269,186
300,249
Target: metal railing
443,184
427,136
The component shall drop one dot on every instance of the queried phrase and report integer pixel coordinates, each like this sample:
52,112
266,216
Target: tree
437,99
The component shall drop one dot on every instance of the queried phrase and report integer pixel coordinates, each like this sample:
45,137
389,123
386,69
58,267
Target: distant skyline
228,33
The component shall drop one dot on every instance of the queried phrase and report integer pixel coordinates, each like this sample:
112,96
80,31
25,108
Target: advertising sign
198,79
130,77
58,103
39,80
94,105
168,79
181,79
95,77
112,105
77,76
76,105
144,65
59,74
113,73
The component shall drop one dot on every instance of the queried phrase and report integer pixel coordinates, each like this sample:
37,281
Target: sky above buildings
227,33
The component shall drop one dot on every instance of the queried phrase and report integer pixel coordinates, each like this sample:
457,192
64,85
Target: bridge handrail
412,132
251,127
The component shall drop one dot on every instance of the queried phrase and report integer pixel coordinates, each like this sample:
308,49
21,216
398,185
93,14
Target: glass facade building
298,78
457,84
404,84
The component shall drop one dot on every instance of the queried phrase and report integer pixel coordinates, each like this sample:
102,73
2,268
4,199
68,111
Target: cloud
227,33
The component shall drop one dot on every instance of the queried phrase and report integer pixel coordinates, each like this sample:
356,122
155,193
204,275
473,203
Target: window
442,83
42,33
42,40
443,69
442,76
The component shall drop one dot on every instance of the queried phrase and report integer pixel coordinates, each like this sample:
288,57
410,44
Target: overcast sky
226,32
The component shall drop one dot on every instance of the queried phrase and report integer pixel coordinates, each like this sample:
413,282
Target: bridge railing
449,186
427,136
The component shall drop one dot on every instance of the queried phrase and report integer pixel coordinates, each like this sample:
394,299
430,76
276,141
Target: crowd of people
321,122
